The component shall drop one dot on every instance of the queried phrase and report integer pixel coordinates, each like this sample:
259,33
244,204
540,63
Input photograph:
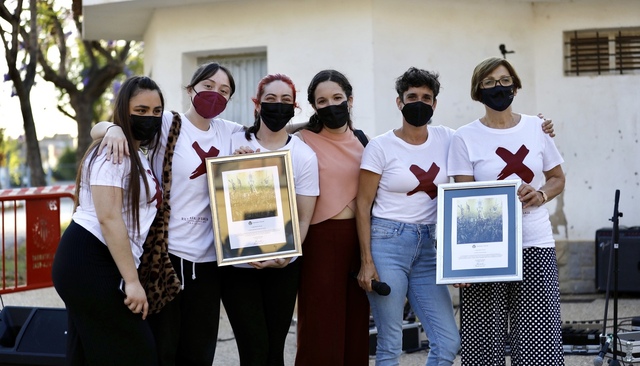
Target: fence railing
31,230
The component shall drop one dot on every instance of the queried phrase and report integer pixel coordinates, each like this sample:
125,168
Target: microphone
603,351
381,288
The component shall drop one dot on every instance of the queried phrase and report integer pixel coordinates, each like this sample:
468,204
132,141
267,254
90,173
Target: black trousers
102,330
260,304
186,329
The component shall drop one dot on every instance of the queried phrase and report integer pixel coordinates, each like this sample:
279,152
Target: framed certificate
479,232
253,206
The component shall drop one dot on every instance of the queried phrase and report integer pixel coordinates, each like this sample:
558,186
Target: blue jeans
405,258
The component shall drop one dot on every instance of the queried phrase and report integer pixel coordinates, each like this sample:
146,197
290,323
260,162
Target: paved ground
578,308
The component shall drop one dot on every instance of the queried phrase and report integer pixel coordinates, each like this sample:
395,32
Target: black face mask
276,115
497,98
144,128
417,113
334,116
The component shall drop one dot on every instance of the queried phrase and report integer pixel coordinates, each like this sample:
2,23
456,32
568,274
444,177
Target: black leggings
186,329
102,330
260,304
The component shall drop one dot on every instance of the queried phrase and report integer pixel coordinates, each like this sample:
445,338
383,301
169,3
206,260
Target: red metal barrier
35,212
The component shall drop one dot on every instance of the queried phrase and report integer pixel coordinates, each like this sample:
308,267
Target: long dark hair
122,117
260,92
337,77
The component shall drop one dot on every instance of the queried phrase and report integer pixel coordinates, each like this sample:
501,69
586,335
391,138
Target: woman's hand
547,126
367,273
136,299
116,144
461,285
244,150
272,263
529,196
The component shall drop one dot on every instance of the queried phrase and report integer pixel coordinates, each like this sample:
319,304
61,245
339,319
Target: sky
49,121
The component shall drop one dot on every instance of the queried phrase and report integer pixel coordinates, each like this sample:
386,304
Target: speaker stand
613,257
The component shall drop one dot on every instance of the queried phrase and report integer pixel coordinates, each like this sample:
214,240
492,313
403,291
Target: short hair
416,78
485,68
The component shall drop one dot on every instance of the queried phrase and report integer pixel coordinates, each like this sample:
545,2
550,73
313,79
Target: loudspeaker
628,259
32,336
410,337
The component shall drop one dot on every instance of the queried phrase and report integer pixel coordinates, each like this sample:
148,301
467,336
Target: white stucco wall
300,42
374,41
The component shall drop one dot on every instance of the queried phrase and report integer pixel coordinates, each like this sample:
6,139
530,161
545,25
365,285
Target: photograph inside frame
253,207
479,232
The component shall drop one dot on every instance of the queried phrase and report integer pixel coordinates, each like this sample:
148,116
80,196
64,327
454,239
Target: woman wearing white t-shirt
94,269
507,145
186,328
260,298
399,175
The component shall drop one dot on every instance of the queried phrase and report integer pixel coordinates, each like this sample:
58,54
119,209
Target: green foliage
2,152
10,263
79,59
87,73
66,168
11,157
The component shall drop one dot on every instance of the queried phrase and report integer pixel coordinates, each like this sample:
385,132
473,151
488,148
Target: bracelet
113,125
544,197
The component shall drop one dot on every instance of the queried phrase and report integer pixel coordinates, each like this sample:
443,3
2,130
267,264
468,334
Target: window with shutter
602,52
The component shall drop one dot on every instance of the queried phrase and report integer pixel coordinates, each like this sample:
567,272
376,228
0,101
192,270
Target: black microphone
381,288
603,351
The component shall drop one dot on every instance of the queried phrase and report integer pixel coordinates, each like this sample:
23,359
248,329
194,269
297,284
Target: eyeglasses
490,83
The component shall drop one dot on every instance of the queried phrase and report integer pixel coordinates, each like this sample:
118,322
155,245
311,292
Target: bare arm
113,139
463,178
553,186
306,206
367,188
293,127
108,203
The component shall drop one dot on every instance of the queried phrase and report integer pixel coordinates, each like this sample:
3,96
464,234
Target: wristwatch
544,196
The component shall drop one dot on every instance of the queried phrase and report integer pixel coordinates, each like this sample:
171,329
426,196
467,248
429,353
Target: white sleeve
306,182
105,173
373,158
551,156
458,160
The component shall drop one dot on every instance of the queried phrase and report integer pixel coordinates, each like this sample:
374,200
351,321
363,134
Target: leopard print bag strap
156,273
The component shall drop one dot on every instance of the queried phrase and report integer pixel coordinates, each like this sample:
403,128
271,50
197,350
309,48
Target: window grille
602,52
247,70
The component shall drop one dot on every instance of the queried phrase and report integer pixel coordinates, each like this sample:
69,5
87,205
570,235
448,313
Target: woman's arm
553,186
293,127
463,178
112,138
367,188
306,205
108,204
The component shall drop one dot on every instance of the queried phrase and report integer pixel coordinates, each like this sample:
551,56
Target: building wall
373,41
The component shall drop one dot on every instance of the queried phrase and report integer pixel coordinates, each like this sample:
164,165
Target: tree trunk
84,118
34,160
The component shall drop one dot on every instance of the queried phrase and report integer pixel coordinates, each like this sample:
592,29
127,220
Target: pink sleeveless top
339,158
